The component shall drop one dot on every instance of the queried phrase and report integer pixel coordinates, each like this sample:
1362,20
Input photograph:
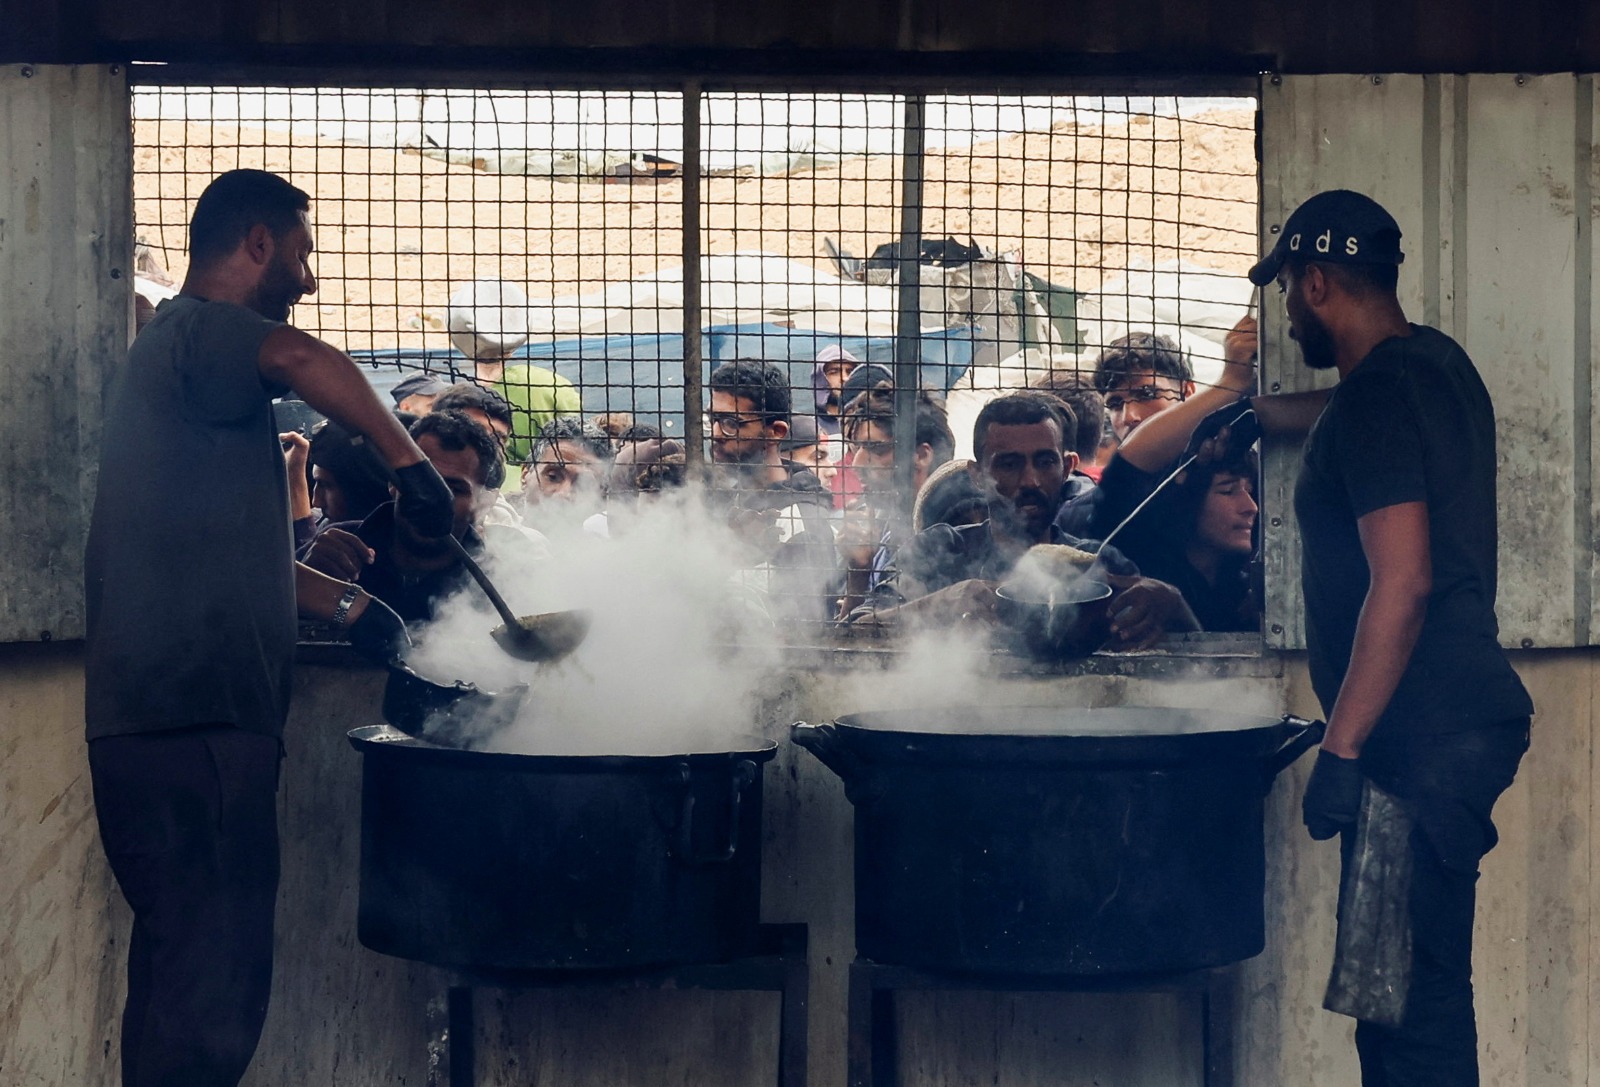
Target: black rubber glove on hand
1243,428
378,633
1333,796
425,501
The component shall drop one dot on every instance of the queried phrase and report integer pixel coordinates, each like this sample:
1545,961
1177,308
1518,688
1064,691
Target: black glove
425,503
1333,796
1243,428
378,633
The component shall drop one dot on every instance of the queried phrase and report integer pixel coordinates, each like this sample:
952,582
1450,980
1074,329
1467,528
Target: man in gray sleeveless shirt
192,593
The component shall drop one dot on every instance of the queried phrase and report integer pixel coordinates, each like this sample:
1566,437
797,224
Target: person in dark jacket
384,553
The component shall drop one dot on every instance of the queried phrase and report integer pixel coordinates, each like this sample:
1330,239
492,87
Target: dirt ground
398,231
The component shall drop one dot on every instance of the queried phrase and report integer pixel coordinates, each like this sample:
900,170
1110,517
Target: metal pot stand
873,1045
778,965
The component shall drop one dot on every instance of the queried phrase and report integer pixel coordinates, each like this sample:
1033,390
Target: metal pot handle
823,741
1307,736
861,785
743,773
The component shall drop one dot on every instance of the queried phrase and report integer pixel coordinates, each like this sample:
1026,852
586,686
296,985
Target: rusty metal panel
1586,336
1482,175
1326,132
66,250
1514,313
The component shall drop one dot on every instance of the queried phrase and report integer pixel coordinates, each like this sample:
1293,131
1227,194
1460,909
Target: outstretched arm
1162,437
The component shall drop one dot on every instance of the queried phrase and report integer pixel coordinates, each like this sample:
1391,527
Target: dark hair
876,405
1078,393
1356,279
946,496
570,428
638,432
467,396
354,465
1021,409
866,375
456,432
1138,351
759,382
1189,498
235,203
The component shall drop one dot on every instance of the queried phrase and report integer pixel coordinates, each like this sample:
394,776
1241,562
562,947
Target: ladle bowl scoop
535,638
546,637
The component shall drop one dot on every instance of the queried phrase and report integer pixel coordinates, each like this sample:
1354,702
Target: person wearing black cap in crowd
415,394
1396,504
805,446
191,621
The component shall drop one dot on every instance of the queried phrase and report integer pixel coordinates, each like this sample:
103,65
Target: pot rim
1231,723
368,739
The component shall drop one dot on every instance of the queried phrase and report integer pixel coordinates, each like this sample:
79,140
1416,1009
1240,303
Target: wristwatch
342,609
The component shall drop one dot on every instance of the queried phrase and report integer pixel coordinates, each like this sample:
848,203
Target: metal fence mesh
493,236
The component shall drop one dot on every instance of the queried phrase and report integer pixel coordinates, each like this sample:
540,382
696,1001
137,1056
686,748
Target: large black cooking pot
493,860
1058,841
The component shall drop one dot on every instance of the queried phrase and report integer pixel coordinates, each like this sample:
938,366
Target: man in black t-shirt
1396,503
191,621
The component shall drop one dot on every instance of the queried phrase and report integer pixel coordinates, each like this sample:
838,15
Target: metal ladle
536,638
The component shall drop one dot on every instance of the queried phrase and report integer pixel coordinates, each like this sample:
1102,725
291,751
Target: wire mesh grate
505,236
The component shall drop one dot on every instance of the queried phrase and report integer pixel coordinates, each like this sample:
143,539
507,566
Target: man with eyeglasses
877,524
1154,408
779,508
1140,375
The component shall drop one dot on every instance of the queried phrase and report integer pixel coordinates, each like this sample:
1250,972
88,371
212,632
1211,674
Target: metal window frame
913,88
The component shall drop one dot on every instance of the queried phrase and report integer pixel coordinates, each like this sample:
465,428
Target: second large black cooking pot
1050,841
505,861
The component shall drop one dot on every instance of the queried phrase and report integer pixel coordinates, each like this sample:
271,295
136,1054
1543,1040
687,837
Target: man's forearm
1161,439
317,595
1386,633
1289,414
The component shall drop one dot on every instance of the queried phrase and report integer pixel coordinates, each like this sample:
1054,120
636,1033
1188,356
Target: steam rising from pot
680,647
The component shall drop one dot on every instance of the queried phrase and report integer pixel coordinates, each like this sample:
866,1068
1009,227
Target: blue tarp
643,374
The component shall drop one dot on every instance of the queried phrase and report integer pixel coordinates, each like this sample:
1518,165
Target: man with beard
191,621
1021,463
778,508
1396,504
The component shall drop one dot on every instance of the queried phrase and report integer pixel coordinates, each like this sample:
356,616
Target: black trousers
1449,784
189,822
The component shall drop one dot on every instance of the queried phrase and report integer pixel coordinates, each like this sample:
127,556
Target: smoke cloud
680,649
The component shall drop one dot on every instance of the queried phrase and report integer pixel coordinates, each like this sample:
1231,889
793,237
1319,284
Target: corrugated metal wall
66,238
1492,178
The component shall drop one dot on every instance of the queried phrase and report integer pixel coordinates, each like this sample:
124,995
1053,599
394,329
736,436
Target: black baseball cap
418,385
1338,226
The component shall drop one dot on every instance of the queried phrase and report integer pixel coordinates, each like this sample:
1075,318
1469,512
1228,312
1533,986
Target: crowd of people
809,485
190,635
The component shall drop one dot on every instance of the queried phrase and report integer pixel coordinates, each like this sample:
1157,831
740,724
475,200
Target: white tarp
1193,305
736,288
